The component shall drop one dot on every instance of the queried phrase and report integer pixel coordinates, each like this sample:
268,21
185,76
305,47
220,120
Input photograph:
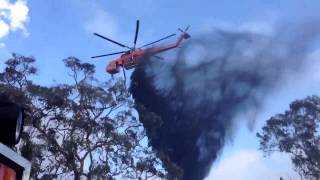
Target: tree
296,132
82,129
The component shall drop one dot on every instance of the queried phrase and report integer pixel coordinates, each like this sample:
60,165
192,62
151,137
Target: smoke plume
188,103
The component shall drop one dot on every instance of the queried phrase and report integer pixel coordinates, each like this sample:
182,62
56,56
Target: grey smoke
198,91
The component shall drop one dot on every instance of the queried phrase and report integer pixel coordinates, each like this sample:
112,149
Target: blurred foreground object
11,119
12,165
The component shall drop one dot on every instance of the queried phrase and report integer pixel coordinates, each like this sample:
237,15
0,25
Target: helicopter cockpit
126,53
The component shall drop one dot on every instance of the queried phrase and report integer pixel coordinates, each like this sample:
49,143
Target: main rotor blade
136,35
158,40
187,28
109,54
115,42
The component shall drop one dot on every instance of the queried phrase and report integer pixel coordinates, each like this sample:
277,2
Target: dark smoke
188,103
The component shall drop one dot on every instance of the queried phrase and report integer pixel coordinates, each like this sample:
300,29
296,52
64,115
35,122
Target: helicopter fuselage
132,58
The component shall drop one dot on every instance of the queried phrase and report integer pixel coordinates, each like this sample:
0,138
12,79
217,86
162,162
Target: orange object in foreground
12,165
7,173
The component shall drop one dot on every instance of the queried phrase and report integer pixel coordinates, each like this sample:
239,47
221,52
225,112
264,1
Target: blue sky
58,28
52,30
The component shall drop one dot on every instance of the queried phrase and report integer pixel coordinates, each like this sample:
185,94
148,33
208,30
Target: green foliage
296,132
82,129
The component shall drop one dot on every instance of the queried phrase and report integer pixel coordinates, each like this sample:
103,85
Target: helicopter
133,56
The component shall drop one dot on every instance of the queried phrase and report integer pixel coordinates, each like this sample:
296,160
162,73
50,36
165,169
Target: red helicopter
132,57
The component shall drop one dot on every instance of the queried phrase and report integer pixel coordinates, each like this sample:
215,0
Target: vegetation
296,132
84,129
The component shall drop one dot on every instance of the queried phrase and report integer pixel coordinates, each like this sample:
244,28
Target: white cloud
251,165
2,45
4,29
101,21
13,17
19,15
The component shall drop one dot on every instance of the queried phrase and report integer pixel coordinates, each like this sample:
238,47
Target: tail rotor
184,32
